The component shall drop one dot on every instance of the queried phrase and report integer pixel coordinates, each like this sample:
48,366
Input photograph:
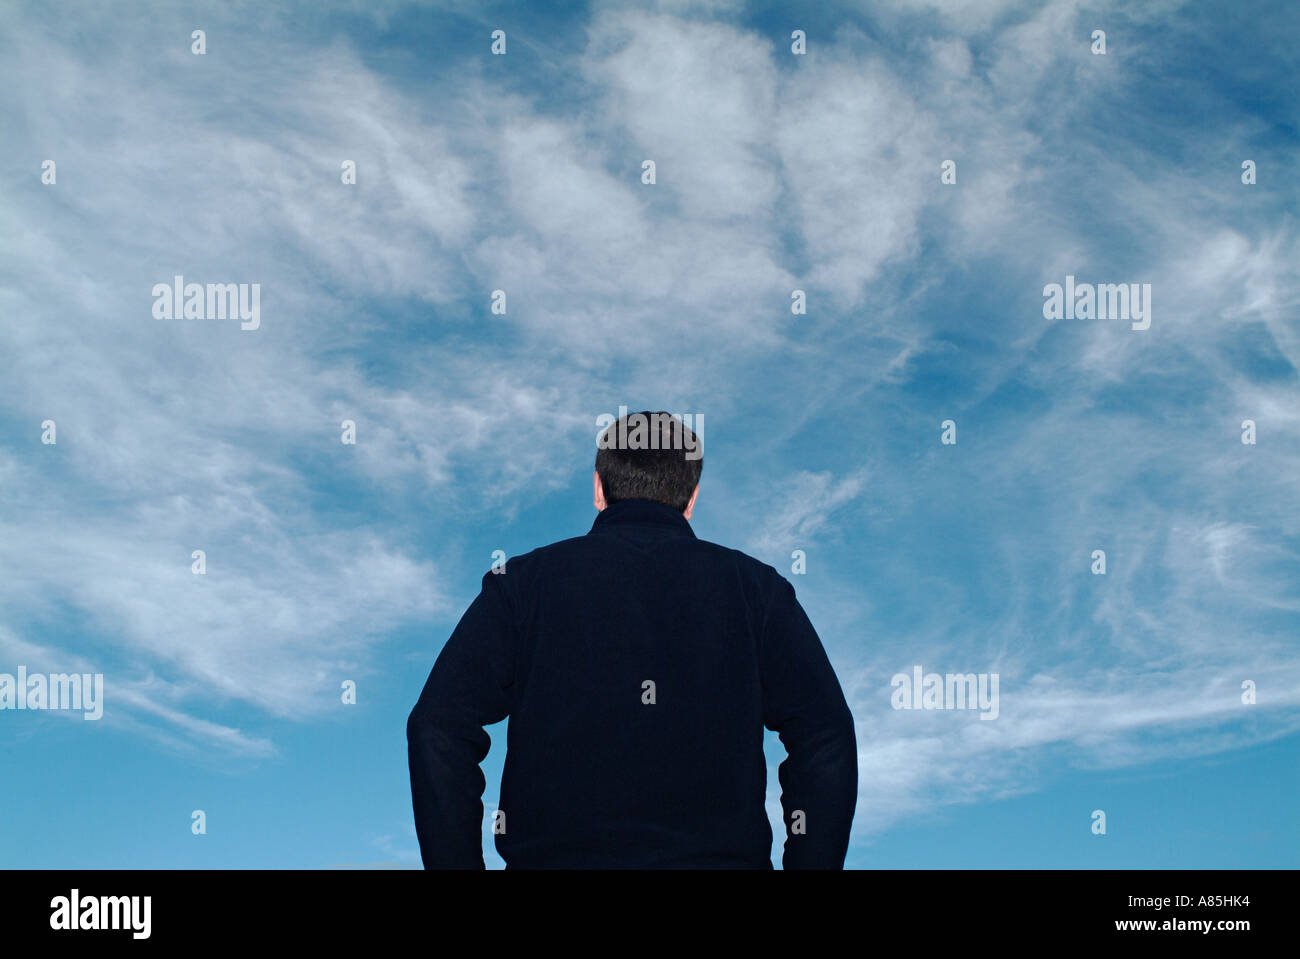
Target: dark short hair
651,456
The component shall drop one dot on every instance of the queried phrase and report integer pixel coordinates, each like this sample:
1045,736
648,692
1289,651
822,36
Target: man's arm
803,702
469,687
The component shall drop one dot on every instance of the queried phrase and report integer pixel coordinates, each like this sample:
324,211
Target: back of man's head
649,456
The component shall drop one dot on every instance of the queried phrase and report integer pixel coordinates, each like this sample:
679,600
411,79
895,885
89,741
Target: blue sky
475,432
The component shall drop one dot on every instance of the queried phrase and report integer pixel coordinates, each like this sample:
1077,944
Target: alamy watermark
75,911
1105,301
922,690
642,431
83,691
179,300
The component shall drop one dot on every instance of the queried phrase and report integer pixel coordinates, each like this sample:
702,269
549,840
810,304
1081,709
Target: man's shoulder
547,558
751,564
577,548
560,549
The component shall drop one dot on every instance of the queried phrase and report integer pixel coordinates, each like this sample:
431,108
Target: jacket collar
642,512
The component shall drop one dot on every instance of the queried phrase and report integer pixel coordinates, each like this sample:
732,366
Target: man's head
648,456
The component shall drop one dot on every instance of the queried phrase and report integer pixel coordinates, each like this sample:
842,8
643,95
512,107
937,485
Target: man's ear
690,507
598,492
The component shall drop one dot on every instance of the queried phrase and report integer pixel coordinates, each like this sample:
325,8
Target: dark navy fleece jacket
638,666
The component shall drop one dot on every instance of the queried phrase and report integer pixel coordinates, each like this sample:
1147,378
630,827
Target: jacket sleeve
469,687
803,703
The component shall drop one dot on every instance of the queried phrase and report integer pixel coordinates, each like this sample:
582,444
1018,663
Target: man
638,666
